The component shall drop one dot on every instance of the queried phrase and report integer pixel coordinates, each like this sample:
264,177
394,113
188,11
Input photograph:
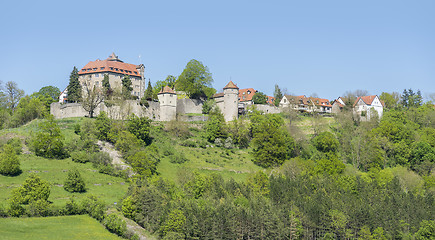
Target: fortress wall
185,106
267,108
115,112
195,118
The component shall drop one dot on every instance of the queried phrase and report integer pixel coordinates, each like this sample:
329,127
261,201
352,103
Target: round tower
231,102
168,104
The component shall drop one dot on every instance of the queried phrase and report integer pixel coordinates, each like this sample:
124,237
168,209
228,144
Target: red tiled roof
112,64
302,99
246,94
167,89
270,100
231,85
366,99
321,102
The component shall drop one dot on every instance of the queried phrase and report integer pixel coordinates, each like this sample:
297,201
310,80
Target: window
102,68
83,70
135,72
116,69
111,68
89,69
97,75
95,69
122,70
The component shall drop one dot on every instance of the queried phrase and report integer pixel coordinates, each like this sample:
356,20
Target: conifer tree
149,92
74,87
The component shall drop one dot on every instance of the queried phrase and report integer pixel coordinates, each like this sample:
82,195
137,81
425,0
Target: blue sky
322,47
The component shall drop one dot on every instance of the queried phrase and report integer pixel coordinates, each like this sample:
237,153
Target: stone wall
267,108
185,106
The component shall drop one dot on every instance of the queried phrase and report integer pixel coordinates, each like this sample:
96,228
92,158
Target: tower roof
231,85
166,89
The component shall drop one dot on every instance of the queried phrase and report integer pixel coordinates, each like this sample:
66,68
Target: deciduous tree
195,80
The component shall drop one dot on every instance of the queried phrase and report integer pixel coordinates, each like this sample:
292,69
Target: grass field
56,228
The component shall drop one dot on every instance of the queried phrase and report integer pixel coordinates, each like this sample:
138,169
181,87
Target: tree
195,80
143,164
9,164
149,92
106,86
259,98
126,87
215,126
47,141
140,127
277,95
169,81
103,125
391,100
33,188
50,91
74,182
74,88
272,144
92,98
426,230
13,95
326,142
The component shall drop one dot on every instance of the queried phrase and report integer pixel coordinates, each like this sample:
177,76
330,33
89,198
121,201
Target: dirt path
114,154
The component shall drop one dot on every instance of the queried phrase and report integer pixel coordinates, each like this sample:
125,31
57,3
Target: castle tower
231,102
168,104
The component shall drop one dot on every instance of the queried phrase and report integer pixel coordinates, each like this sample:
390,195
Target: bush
115,224
126,142
103,125
143,164
80,157
178,158
101,158
140,127
74,182
9,164
16,145
47,142
39,208
178,129
94,207
33,188
188,143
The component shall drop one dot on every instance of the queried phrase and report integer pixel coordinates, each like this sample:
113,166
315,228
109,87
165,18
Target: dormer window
102,68
122,70
95,69
135,72
116,69
111,68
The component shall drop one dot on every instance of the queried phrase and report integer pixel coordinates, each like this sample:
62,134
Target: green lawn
107,188
65,227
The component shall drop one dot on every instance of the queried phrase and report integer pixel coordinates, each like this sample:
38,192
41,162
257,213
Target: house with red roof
338,105
306,104
93,74
366,106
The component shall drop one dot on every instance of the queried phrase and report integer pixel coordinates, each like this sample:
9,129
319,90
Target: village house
306,104
93,74
364,106
338,105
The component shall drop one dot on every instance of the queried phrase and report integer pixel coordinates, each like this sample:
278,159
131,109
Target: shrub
103,125
9,164
178,129
115,224
47,142
143,164
188,143
33,188
94,207
126,141
101,158
140,127
16,145
74,182
80,157
39,208
178,158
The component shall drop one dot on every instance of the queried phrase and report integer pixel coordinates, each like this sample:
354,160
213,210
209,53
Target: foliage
149,92
391,100
411,99
426,230
74,182
158,86
9,164
33,189
272,144
195,80
140,127
239,132
47,141
103,125
215,126
326,142
39,208
277,94
28,109
144,163
74,88
108,91
259,98
178,158
13,95
126,87
207,106
115,224
126,142
92,97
